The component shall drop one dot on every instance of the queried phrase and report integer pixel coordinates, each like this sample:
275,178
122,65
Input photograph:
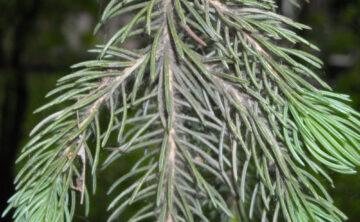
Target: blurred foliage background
40,39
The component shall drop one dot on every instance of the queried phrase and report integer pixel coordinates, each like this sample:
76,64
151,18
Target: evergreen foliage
235,121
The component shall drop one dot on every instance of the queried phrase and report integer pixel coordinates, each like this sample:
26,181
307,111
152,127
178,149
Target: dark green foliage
232,118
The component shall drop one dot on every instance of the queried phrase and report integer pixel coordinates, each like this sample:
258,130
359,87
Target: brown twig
192,34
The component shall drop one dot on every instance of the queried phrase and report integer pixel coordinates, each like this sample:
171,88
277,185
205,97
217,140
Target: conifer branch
234,125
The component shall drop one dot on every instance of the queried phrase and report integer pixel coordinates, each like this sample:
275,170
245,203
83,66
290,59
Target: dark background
40,39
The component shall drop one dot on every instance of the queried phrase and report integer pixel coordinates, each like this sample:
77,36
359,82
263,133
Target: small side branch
192,34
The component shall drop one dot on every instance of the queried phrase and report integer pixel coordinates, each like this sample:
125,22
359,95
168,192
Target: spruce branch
235,121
